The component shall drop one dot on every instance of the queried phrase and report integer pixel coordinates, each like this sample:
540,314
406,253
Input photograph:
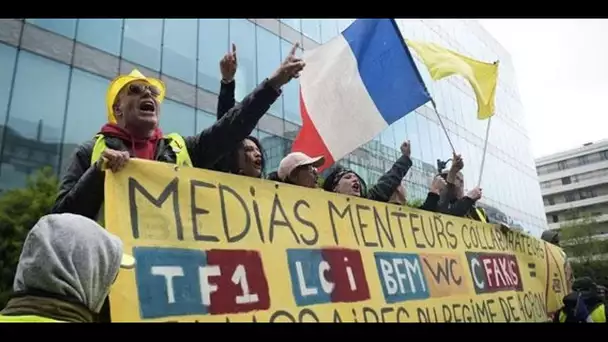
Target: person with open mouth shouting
348,182
133,104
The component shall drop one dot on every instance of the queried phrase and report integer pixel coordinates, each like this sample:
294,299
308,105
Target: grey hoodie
69,255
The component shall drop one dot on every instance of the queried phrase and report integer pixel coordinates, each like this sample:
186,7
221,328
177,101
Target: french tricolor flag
355,86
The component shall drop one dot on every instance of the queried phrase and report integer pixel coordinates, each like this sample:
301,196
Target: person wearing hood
248,158
133,104
65,271
583,304
348,182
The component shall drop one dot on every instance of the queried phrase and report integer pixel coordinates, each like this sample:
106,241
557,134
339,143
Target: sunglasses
140,88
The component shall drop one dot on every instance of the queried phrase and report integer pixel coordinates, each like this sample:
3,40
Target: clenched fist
457,163
113,159
228,65
406,149
438,184
475,194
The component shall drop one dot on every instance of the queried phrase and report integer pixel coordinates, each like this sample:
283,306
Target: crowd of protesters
132,131
69,261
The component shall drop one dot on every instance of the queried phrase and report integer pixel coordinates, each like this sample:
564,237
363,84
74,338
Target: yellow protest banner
218,247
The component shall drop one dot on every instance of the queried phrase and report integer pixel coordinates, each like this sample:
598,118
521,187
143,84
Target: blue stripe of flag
386,67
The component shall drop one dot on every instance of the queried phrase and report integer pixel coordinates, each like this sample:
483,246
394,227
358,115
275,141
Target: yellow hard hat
121,81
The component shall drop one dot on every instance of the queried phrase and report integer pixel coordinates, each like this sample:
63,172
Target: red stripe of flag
309,141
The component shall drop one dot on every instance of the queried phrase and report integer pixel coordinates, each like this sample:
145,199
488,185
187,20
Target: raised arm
211,144
228,66
432,198
388,183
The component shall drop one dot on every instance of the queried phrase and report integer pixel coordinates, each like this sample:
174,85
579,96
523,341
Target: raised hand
475,194
228,65
438,185
457,163
406,148
290,68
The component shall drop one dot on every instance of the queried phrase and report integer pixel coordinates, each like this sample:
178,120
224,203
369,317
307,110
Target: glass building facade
54,74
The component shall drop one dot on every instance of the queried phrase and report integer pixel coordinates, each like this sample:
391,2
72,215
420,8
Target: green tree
20,209
415,203
579,240
596,270
320,181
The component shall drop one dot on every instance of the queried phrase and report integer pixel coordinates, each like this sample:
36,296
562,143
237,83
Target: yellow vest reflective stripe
481,214
27,319
598,315
176,142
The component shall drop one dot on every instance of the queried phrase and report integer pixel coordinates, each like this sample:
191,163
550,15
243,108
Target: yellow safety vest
481,213
27,319
176,142
598,315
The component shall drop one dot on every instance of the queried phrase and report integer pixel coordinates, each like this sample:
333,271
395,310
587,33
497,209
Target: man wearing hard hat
133,105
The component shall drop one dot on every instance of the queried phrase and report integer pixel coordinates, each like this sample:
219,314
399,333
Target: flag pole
443,126
485,148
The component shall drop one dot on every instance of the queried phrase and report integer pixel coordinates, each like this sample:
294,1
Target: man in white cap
65,271
299,169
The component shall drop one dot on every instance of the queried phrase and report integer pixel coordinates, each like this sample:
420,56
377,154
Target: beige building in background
575,182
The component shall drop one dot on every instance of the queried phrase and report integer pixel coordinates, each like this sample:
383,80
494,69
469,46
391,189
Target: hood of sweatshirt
69,255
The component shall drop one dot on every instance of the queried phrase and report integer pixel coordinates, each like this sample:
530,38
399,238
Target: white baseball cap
295,160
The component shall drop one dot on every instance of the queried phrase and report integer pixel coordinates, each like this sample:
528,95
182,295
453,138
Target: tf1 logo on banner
179,282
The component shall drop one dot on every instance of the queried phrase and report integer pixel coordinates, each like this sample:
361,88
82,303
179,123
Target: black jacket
449,204
431,202
591,301
82,187
225,101
388,183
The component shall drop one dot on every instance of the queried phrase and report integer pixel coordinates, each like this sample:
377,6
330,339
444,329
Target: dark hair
334,177
584,284
274,176
230,162
551,236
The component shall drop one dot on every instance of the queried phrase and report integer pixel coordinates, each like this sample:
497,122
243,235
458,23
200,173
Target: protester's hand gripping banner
219,247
